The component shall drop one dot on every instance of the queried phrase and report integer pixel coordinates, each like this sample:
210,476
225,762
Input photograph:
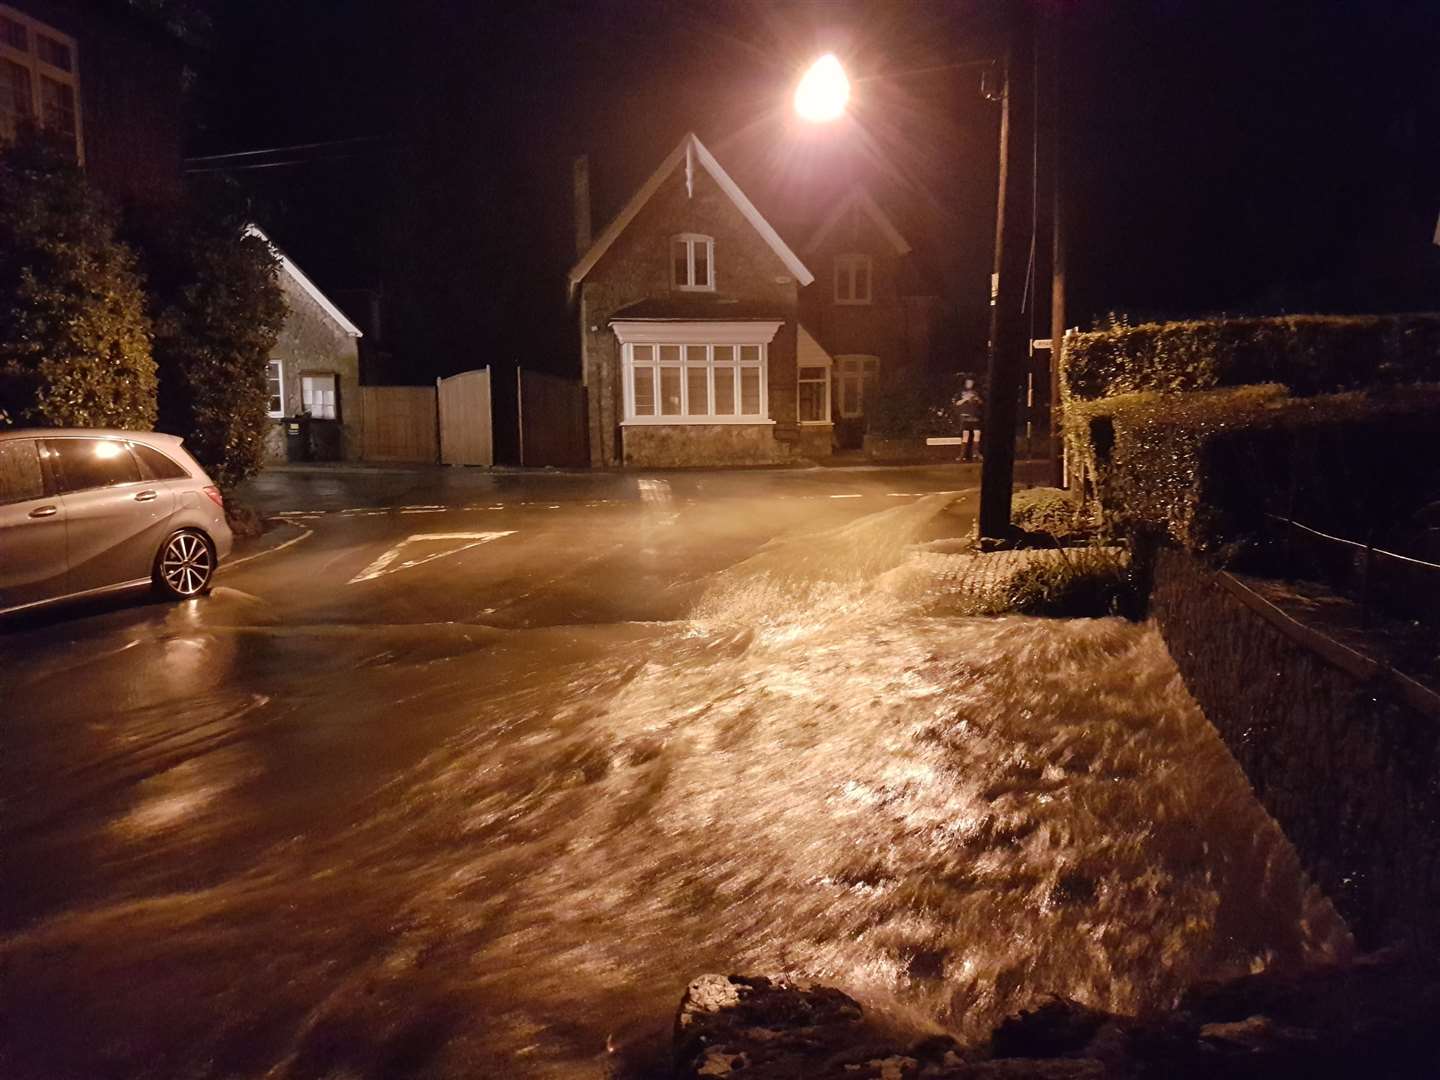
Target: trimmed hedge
1310,354
917,406
1204,468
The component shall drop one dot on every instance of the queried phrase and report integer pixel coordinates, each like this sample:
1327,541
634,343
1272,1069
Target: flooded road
296,831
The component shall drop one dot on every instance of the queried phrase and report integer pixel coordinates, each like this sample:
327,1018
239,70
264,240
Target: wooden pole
1055,39
1009,328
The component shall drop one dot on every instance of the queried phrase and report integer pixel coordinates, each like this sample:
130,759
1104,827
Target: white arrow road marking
382,565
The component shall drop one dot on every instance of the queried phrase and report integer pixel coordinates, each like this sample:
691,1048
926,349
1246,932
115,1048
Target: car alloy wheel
186,565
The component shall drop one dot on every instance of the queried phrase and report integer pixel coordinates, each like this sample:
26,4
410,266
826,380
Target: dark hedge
1310,354
1204,468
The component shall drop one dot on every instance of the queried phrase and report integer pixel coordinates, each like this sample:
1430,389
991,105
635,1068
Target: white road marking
425,510
847,496
382,565
230,564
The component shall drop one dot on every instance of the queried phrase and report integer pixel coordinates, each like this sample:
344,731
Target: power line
283,149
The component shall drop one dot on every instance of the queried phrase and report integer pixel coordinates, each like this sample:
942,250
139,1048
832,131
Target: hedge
1202,469
1310,354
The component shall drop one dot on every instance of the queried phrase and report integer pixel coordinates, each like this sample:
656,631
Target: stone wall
748,275
666,446
1350,771
311,343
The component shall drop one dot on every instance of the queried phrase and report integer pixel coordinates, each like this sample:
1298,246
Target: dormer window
692,262
852,279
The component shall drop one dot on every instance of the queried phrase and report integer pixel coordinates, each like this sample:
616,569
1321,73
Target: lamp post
822,96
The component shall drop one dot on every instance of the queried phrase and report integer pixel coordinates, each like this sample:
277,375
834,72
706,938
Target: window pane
812,401
643,354
318,396
697,387
669,354
53,52
724,354
811,374
94,463
670,391
13,34
750,391
157,464
862,279
724,390
20,477
679,262
644,391
842,280
14,97
57,106
275,384
750,353
695,354
702,263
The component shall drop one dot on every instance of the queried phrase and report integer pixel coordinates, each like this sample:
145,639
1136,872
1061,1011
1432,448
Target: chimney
582,205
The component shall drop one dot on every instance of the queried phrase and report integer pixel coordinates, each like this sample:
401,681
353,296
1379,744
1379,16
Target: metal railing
1379,579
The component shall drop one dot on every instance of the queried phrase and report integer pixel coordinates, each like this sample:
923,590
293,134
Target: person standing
970,408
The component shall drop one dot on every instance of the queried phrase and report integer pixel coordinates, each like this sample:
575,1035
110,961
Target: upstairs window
39,79
852,279
692,262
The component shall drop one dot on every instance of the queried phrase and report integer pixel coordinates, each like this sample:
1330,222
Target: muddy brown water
823,771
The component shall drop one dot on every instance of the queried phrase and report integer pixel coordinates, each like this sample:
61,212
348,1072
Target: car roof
90,433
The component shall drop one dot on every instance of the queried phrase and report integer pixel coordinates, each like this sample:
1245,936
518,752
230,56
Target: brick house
314,369
705,340
106,82
869,308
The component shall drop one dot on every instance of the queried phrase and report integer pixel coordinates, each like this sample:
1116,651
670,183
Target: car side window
156,465
93,463
20,476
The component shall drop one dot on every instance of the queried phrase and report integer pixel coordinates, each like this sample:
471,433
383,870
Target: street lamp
823,92
822,96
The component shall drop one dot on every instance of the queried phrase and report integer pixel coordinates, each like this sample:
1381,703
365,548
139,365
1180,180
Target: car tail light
215,496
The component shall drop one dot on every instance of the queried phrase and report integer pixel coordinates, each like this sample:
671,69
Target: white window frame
305,397
845,272
825,380
29,59
691,242
848,368
279,366
683,336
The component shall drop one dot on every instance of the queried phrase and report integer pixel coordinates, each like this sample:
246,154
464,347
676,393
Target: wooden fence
400,424
553,428
466,437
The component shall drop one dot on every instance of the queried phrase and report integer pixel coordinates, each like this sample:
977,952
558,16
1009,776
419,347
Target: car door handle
44,511
147,496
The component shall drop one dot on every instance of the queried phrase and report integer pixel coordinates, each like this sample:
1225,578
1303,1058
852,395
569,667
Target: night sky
1223,155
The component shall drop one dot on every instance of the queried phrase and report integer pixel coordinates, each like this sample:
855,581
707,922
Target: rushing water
823,771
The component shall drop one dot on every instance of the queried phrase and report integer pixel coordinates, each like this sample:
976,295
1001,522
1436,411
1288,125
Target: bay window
696,373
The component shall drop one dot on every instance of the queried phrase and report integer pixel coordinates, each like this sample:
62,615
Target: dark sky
1234,155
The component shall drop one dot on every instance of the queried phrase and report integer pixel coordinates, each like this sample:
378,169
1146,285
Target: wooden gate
552,420
465,433
398,424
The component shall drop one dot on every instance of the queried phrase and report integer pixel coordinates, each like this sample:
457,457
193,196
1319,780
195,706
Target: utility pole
1009,327
1054,42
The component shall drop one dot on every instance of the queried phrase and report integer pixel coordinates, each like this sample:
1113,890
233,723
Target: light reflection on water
816,774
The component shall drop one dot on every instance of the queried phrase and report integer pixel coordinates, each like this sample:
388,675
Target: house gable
296,277
692,156
858,202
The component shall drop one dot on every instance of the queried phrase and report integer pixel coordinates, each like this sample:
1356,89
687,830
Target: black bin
297,438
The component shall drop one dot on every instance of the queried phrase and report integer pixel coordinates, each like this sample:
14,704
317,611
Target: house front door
854,379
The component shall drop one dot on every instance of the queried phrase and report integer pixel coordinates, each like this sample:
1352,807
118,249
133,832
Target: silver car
84,512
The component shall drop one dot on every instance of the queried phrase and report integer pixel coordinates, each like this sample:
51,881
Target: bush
1085,582
218,310
918,406
1053,512
75,346
1203,469
1310,354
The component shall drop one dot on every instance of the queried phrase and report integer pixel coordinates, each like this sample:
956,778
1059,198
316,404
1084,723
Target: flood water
823,771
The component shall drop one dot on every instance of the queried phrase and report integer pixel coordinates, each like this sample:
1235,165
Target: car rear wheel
185,565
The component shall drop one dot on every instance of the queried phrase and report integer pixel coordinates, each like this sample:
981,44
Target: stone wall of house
816,441
748,273
312,344
673,446
1347,769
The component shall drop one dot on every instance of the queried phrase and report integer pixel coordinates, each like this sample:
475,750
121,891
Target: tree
217,309
74,339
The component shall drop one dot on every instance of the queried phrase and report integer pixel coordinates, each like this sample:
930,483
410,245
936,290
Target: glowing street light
823,92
